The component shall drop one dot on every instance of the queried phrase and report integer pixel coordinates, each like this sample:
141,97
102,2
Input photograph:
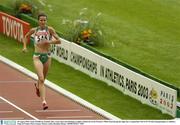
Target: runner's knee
41,79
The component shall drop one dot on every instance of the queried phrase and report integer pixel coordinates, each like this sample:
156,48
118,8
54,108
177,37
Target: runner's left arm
54,34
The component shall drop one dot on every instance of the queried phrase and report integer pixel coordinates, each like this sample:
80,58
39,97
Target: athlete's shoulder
51,29
32,30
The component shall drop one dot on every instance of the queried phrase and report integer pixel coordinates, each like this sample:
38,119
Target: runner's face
42,21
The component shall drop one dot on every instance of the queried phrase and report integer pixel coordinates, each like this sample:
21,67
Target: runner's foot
45,106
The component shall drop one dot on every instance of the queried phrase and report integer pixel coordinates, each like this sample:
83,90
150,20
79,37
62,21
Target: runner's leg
46,67
45,71
39,69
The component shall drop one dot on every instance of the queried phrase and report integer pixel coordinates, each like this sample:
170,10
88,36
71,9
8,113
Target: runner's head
42,19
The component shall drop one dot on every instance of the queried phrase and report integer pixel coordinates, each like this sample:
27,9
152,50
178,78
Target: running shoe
45,106
37,90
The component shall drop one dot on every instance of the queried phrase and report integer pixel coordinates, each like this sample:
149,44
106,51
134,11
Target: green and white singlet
42,35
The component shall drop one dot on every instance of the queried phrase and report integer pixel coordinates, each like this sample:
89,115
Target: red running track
18,100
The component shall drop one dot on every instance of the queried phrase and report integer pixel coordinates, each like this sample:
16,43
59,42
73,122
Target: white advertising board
127,81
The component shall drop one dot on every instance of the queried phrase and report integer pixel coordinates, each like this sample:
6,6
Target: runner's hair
41,14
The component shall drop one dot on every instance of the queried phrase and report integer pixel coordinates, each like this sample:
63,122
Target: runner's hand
24,50
44,42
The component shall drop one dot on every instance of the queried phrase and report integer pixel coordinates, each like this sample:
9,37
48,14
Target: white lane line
70,110
17,81
12,118
68,117
19,108
6,112
57,88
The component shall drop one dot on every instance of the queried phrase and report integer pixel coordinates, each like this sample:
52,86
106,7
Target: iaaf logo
153,96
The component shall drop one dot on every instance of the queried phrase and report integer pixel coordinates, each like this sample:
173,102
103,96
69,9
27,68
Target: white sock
44,102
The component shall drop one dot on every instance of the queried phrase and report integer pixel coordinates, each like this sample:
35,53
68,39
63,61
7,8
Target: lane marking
18,108
70,117
70,110
12,118
58,89
15,81
6,111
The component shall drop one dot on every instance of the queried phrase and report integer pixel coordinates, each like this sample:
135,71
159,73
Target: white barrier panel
129,82
83,60
139,87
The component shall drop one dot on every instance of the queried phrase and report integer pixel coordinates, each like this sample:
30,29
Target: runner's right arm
26,39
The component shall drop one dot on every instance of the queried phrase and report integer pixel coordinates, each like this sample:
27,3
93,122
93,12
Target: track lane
19,89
